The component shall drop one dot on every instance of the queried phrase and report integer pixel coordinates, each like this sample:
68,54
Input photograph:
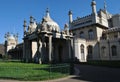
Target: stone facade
96,36
93,37
10,42
45,42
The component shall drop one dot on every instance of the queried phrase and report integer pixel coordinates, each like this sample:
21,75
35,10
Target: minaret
25,25
70,17
93,5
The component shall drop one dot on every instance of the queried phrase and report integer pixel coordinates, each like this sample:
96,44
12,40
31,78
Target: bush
6,57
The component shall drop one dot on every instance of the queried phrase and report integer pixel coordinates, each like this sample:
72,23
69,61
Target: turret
25,25
66,29
70,17
93,5
11,41
31,19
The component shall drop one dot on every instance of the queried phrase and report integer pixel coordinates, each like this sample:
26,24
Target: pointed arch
82,52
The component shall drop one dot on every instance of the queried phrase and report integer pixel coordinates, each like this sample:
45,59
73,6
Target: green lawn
29,71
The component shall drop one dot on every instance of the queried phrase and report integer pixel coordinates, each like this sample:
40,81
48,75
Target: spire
47,13
93,4
70,16
105,6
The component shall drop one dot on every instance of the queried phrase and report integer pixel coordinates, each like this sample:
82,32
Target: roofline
97,24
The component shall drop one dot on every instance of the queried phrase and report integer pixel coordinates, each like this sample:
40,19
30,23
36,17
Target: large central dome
50,23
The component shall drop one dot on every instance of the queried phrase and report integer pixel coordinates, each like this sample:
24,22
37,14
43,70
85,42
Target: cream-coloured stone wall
99,32
34,48
116,20
108,46
86,42
85,30
77,45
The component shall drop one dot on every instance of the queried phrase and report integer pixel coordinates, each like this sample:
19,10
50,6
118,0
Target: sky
13,12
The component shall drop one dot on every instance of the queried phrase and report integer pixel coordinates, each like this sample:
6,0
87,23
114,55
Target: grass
33,72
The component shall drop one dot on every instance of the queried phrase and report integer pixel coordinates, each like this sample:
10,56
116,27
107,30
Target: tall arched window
82,52
90,51
103,50
81,34
114,50
90,34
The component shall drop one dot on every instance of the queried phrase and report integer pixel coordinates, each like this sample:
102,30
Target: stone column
43,50
69,47
29,54
38,58
24,50
72,49
40,55
118,34
50,48
107,36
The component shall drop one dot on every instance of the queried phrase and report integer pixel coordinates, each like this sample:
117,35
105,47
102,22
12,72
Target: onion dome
49,23
11,37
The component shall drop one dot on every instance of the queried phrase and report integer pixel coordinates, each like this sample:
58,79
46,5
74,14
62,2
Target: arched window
82,48
114,50
81,34
103,50
82,52
90,51
90,34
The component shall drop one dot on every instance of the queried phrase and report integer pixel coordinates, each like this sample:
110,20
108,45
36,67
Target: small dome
50,23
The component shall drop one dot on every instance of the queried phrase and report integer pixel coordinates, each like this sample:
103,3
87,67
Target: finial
47,12
70,12
66,26
25,25
31,19
105,6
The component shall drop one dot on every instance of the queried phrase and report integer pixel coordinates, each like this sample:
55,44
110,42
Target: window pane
90,34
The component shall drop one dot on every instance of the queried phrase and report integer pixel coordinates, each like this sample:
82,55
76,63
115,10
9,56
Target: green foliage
29,71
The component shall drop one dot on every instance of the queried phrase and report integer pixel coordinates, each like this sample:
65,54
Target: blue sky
13,12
